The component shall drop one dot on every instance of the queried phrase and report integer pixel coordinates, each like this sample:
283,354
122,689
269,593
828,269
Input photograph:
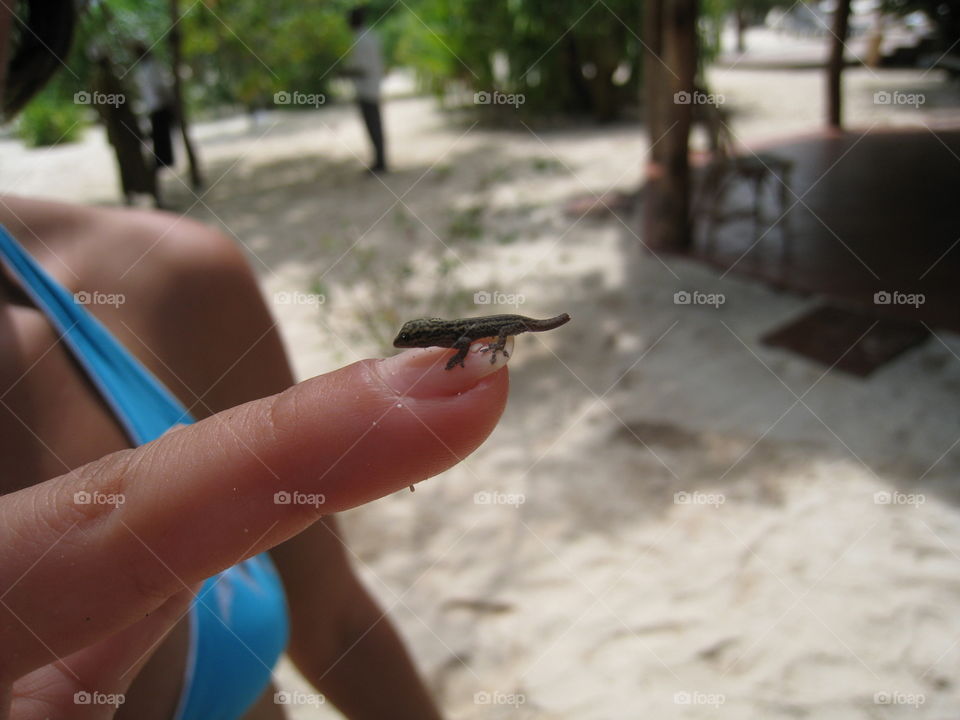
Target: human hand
86,590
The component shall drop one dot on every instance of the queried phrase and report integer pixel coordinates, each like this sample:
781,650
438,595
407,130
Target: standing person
157,99
365,66
123,133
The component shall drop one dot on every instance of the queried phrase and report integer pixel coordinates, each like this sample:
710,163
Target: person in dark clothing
123,132
157,100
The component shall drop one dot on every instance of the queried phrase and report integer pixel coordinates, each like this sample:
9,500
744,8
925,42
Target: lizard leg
463,347
498,346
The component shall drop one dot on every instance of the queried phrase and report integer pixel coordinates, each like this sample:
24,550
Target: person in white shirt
365,66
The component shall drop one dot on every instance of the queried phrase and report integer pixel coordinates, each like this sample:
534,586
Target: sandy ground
671,521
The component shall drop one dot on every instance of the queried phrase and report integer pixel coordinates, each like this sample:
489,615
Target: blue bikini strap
141,403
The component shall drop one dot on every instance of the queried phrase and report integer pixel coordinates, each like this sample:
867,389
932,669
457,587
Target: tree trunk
670,67
841,19
741,24
653,74
196,179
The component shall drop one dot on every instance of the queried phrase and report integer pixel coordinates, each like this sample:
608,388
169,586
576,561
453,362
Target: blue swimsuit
238,621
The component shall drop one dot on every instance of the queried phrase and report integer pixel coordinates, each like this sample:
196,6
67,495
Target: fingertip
426,372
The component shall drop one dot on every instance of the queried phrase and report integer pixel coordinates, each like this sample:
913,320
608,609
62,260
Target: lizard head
417,333
402,340
407,337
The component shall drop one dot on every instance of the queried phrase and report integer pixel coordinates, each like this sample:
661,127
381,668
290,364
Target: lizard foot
456,360
494,348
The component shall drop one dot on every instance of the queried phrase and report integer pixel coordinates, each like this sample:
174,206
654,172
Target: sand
671,521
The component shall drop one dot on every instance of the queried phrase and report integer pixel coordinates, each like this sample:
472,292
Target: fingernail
422,373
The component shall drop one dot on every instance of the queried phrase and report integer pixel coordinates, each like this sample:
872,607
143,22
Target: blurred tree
563,56
244,51
175,44
670,41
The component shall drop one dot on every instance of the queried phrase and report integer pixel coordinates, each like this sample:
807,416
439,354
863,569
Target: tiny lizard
459,334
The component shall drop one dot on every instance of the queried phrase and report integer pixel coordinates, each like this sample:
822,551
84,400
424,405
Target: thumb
90,552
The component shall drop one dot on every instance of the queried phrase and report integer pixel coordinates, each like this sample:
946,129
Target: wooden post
841,20
196,178
670,67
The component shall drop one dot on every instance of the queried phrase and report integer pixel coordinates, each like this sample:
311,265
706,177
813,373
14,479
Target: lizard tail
551,323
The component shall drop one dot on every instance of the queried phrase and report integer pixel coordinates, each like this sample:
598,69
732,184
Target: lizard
459,334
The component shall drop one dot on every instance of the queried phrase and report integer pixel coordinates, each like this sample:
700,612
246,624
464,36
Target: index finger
200,499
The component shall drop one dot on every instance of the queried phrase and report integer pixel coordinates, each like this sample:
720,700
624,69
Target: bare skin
193,315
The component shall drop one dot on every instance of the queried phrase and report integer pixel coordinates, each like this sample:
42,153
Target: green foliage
561,55
244,51
106,27
50,119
